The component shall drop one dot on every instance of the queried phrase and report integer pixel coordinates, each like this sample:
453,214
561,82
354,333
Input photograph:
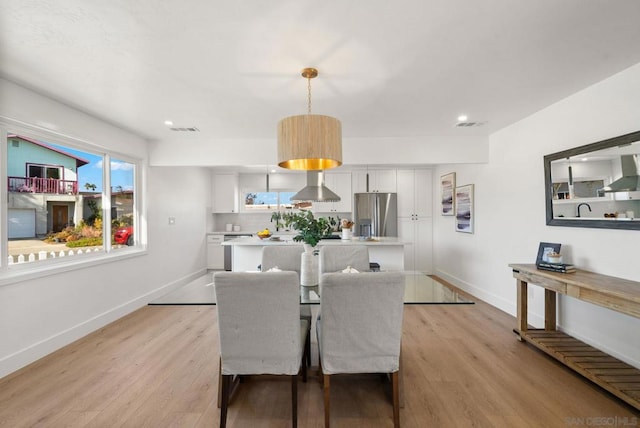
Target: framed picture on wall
463,203
447,186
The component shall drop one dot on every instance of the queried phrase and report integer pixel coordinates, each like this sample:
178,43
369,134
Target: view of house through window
267,201
122,192
55,201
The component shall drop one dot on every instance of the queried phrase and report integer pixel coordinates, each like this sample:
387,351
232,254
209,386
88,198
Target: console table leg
549,310
522,306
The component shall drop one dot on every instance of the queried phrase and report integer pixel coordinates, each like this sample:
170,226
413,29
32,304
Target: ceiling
231,69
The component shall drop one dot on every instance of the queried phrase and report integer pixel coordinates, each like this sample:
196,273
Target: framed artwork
463,205
545,248
447,186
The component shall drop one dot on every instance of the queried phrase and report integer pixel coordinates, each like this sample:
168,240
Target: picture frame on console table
545,248
463,203
447,187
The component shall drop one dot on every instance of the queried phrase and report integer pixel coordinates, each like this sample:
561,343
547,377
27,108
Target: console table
617,294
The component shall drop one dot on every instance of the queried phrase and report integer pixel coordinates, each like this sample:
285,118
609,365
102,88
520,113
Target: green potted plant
310,229
276,217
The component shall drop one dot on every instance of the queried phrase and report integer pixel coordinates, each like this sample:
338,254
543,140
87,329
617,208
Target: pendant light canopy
309,141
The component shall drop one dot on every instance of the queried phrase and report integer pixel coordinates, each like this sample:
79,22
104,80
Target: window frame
10,273
268,207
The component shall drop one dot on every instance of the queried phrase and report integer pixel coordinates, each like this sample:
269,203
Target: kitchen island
247,251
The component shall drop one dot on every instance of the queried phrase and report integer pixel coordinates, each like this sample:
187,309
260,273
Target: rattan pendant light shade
309,141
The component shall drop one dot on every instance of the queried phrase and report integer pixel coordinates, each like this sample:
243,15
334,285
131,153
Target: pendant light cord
308,95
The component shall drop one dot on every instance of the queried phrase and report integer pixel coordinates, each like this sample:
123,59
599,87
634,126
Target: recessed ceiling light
273,171
462,118
168,122
584,159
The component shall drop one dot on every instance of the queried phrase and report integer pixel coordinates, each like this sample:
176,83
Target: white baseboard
490,298
533,318
35,351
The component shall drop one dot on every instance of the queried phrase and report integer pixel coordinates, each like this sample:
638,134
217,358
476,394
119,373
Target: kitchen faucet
579,205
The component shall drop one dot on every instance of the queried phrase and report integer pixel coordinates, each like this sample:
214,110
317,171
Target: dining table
420,289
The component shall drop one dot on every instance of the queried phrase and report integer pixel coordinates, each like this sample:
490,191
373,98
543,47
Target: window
62,201
585,188
122,175
267,201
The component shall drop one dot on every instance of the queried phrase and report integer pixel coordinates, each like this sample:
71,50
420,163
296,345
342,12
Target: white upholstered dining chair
284,257
287,258
335,258
361,328
260,330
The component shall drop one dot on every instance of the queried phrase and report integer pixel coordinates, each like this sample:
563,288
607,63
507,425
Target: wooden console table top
621,295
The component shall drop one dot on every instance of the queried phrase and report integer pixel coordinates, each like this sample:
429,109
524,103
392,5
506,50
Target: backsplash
253,222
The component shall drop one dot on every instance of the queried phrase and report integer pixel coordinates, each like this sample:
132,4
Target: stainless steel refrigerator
375,214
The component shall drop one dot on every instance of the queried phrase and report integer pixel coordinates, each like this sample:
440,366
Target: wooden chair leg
327,414
309,347
304,370
294,400
395,399
219,382
305,358
226,386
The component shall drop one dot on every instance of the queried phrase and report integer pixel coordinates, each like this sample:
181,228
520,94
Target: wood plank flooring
157,367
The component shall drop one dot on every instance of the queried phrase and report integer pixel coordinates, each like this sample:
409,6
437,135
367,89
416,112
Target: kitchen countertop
288,240
284,233
231,233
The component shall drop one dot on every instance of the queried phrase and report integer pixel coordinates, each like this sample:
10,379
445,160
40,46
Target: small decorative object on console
554,257
557,267
549,258
544,249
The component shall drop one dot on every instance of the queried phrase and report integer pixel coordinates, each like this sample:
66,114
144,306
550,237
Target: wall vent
190,129
468,124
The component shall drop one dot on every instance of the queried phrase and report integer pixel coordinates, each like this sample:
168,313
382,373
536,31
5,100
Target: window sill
27,271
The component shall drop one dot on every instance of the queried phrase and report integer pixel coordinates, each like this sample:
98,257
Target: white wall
510,214
41,315
194,150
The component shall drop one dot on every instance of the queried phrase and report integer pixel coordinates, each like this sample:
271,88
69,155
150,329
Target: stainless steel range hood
315,189
630,180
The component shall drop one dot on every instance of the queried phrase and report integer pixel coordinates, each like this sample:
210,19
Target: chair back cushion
361,324
285,257
335,258
259,322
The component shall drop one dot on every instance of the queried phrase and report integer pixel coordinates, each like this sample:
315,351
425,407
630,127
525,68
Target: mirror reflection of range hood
630,180
315,190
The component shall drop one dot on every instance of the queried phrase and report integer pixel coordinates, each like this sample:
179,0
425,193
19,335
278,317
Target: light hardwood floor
157,367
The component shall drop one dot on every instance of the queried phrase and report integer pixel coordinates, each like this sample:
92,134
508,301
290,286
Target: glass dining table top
420,289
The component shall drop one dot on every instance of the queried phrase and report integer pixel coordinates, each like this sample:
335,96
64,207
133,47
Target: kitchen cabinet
340,184
626,196
215,252
415,192
225,193
380,180
417,234
415,217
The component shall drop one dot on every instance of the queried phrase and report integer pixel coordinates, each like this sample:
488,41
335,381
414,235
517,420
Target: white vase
347,234
308,268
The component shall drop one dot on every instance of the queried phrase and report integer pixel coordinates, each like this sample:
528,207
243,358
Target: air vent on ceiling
191,129
468,124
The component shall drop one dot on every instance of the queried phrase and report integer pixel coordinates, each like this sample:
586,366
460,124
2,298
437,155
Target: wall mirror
596,185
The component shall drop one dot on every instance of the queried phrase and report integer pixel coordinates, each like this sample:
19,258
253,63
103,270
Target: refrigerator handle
375,226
